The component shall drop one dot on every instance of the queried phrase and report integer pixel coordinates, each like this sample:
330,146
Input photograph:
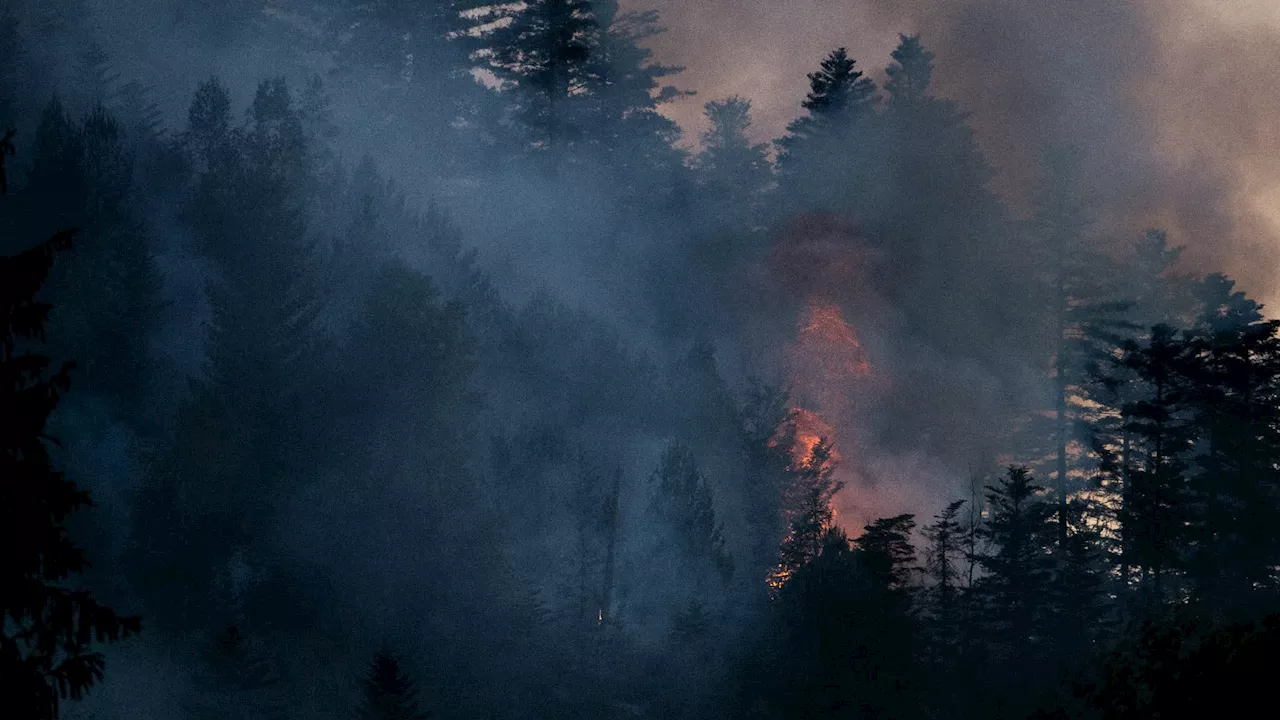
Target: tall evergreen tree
241,436
108,295
682,501
586,93
933,214
1153,509
808,507
733,172
542,56
818,160
690,560
48,626
1085,316
1016,584
1233,369
944,606
767,434
389,692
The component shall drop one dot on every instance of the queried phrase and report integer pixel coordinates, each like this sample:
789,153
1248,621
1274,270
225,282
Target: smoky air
393,360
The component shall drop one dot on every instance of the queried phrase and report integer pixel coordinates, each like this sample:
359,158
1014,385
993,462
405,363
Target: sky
1178,100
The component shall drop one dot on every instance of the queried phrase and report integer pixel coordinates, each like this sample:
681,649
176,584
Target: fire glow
822,364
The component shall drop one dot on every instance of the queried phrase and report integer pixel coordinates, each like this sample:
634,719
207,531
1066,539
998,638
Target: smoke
1176,104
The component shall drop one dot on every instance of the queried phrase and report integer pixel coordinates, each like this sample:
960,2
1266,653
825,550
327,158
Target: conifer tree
931,210
767,434
583,87
1018,569
886,552
410,62
47,626
1233,390
910,74
942,555
389,692
107,295
808,505
542,55
1085,315
733,172
1153,510
944,607
240,436
818,159
682,502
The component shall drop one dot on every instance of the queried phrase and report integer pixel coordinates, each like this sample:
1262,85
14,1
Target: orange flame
810,430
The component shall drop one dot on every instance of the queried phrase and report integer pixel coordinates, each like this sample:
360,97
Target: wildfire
820,260
827,353
810,429
822,364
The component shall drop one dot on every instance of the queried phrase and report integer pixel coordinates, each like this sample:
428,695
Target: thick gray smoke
1175,105
1175,102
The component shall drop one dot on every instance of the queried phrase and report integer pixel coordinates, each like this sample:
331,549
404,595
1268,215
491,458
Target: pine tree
624,125
808,505
682,501
887,663
942,557
911,73
812,665
108,295
542,56
1085,315
411,60
389,692
1078,608
48,628
1233,381
1153,510
586,92
1160,294
886,552
1161,298
818,159
241,435
766,438
733,172
944,607
847,642
1015,586
931,211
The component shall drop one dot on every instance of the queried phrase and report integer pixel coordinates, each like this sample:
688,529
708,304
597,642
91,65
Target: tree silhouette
389,692
811,489
1015,588
818,158
47,629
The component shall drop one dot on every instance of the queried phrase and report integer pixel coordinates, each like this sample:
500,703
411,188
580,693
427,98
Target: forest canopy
428,371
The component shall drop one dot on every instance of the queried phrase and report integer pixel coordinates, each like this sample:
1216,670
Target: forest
417,365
